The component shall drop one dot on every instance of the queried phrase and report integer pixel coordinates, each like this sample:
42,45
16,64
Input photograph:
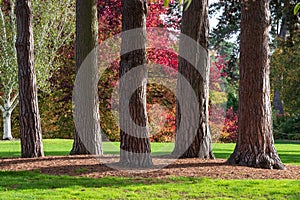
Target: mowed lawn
34,185
289,151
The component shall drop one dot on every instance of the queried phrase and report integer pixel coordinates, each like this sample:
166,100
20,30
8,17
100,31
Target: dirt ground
90,166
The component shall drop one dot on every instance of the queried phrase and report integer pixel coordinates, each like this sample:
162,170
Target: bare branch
14,105
14,98
59,46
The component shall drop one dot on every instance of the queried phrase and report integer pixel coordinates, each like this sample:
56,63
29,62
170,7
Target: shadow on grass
63,176
34,180
8,161
287,142
290,158
223,155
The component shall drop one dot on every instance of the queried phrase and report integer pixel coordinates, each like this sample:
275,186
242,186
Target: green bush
287,127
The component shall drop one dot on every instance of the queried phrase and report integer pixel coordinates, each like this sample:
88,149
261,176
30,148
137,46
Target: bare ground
90,166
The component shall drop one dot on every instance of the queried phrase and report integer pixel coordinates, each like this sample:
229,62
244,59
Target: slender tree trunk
7,109
30,125
255,144
193,138
277,100
283,27
135,142
7,125
87,138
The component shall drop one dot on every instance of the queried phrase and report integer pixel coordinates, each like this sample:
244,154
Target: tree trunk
87,138
255,144
7,125
277,100
30,125
193,138
134,134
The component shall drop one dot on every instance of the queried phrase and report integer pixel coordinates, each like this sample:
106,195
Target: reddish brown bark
30,125
255,144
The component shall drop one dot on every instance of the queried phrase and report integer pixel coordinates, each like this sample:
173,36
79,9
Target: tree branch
1,98
14,98
14,105
4,31
13,28
2,109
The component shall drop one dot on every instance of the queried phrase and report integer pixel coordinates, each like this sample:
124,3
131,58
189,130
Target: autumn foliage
161,100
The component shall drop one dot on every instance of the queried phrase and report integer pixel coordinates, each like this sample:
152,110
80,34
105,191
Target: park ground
59,176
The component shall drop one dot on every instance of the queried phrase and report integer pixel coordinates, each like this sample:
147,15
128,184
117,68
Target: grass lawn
289,152
33,185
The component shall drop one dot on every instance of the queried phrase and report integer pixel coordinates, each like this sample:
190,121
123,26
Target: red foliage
109,14
218,64
224,124
230,129
109,18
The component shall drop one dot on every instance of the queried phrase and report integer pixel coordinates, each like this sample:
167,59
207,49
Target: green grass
289,152
33,185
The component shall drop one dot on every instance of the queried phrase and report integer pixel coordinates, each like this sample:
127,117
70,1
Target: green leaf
296,9
166,3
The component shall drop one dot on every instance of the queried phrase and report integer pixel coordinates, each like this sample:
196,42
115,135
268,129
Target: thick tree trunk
193,138
87,138
255,144
30,125
135,143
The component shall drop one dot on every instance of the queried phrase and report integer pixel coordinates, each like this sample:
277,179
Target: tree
49,20
31,133
8,66
194,141
87,138
134,134
54,28
285,75
284,65
110,23
255,143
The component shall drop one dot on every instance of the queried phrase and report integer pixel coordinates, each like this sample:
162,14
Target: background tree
195,25
53,28
87,137
110,23
135,142
283,32
255,144
30,126
8,66
285,74
284,63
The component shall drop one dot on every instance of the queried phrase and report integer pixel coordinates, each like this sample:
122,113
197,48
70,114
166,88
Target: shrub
286,127
230,129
